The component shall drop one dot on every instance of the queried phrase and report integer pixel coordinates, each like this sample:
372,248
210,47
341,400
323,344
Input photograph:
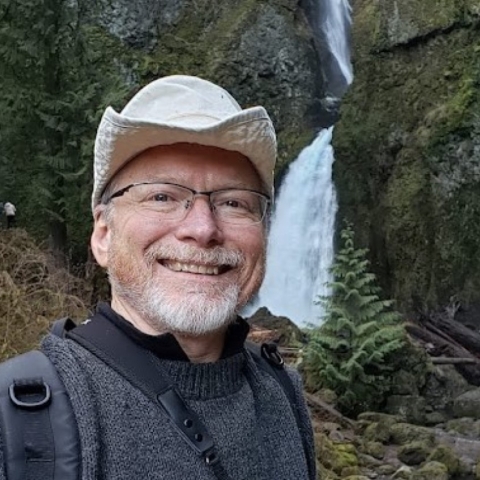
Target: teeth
192,268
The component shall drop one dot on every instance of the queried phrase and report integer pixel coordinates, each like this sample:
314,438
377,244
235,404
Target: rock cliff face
262,51
408,147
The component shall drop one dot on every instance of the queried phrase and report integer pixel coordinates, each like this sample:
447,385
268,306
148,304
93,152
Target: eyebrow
170,179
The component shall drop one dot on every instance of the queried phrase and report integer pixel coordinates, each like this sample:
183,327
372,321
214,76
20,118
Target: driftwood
452,361
448,341
326,412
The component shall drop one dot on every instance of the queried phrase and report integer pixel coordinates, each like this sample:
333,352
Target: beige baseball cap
182,109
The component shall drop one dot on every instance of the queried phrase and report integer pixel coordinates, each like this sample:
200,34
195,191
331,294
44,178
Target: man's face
187,276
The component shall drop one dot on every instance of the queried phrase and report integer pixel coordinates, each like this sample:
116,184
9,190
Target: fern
348,352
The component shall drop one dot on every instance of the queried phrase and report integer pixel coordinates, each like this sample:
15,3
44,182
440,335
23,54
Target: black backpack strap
39,431
109,344
62,326
268,358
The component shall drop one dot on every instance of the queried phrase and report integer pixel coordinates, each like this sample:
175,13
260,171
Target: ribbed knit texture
124,436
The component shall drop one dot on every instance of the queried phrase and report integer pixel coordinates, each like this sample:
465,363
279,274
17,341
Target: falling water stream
300,243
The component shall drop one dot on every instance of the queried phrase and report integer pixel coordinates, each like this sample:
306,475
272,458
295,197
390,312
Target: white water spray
300,244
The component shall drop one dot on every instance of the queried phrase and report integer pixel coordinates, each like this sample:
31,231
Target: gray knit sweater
124,436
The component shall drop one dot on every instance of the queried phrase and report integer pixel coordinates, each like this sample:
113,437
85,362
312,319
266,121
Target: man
182,188
10,211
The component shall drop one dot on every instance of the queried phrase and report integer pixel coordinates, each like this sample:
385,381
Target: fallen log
444,345
468,338
452,361
327,412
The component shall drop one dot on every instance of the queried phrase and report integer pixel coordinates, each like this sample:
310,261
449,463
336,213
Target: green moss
402,124
447,457
375,449
403,433
378,432
408,230
291,141
431,471
413,453
464,426
335,456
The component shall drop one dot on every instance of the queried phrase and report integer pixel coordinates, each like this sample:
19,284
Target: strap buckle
25,394
211,457
270,352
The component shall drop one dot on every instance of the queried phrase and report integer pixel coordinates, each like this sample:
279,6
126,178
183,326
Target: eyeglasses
173,202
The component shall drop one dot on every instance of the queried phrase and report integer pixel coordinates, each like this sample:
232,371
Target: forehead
189,163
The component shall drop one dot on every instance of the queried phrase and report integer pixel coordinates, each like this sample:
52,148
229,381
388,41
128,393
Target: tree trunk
58,241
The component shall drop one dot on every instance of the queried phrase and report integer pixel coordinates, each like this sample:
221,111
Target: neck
199,349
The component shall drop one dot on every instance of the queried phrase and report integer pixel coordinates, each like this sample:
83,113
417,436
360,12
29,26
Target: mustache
190,254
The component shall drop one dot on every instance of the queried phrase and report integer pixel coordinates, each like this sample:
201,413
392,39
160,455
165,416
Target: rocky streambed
383,447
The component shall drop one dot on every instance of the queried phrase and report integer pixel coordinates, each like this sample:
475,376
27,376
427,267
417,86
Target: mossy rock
413,453
445,455
431,471
465,426
375,426
403,473
386,470
410,407
335,456
375,449
377,432
351,472
324,473
403,433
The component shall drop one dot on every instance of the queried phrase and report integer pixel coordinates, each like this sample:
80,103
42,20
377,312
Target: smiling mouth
176,266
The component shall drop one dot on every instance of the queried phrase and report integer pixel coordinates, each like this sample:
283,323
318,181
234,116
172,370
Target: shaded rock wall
262,51
408,147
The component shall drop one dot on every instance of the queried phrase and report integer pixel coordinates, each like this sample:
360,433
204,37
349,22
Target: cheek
254,247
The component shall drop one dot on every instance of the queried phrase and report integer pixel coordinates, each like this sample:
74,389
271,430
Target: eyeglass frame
195,193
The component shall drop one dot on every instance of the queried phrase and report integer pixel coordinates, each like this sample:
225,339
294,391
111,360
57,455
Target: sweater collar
165,346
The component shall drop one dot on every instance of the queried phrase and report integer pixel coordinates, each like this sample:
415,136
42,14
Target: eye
232,203
161,197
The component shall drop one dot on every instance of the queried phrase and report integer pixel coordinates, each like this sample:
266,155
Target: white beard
197,314
192,309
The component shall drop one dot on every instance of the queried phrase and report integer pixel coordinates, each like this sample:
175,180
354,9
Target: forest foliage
56,79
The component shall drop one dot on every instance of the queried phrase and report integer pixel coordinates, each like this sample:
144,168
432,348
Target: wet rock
403,433
443,385
413,453
447,456
431,471
467,404
467,427
410,407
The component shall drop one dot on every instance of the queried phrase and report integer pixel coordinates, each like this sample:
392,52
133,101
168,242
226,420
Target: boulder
413,453
467,404
431,471
411,408
283,330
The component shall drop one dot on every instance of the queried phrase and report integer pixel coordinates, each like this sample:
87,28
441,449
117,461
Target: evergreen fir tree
56,78
349,352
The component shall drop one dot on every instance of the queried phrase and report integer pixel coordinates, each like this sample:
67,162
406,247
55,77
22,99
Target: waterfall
300,242
336,30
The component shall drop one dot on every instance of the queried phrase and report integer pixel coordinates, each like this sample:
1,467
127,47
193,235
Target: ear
100,239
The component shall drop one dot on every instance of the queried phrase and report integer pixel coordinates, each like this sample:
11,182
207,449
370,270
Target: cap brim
120,138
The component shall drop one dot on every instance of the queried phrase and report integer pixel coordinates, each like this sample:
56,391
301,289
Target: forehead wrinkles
185,163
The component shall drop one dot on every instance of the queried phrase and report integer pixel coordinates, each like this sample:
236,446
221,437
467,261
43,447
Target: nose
200,225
